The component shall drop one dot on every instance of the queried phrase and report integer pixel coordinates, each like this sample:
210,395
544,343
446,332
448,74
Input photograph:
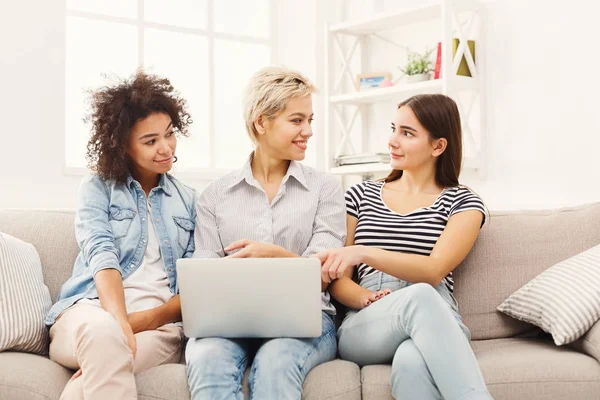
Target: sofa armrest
590,342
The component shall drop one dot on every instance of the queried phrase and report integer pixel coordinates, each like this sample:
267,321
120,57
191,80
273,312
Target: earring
174,159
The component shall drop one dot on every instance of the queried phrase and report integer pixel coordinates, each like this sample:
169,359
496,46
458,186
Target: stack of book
365,158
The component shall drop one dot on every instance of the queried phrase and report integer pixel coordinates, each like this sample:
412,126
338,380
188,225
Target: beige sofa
516,362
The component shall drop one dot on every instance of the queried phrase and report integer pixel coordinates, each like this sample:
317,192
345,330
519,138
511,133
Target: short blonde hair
268,92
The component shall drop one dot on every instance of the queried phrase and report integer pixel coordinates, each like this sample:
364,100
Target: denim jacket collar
163,183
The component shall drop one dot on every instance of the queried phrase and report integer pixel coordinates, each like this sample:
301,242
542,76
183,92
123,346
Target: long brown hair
440,117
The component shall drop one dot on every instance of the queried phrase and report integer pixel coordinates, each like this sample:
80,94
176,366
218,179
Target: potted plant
418,66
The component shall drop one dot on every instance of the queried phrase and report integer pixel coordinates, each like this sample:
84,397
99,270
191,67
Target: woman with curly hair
117,315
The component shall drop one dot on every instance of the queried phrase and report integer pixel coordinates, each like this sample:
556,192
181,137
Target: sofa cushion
24,298
52,233
334,380
535,369
564,300
511,250
26,376
531,369
376,382
165,382
590,342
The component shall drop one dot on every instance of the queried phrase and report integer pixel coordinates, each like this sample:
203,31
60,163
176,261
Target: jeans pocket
185,228
120,220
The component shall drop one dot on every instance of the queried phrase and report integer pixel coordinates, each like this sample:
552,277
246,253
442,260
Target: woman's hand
335,261
131,342
251,249
370,298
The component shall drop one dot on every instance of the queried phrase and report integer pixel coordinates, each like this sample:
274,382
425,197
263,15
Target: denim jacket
111,229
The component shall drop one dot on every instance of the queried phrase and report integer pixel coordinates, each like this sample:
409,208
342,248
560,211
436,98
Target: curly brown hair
114,111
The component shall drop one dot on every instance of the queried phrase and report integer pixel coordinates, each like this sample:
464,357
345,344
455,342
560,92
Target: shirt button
132,265
143,240
157,219
166,242
141,197
170,269
143,219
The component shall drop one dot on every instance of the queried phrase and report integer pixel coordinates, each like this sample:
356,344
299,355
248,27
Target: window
207,51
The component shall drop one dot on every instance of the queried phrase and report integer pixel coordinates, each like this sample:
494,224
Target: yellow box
463,68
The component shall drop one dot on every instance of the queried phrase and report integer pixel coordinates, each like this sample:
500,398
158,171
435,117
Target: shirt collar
245,173
163,183
295,169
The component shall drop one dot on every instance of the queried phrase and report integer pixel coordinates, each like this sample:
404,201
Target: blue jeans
417,327
215,366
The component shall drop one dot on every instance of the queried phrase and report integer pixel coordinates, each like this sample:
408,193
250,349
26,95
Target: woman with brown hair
116,316
406,234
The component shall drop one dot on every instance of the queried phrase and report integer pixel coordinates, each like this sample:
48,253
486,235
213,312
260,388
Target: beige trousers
87,337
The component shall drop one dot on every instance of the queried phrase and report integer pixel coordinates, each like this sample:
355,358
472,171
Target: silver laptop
250,297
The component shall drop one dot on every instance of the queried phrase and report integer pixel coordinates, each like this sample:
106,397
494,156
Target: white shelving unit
361,169
457,19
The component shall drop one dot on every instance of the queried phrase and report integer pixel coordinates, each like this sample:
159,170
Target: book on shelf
438,62
365,158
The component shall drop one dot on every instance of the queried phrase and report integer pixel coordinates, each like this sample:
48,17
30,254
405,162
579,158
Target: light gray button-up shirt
306,216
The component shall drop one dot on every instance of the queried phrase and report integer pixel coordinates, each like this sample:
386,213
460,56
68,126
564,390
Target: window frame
196,173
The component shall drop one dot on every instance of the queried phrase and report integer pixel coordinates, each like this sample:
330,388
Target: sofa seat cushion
165,382
535,369
531,369
25,376
376,382
335,380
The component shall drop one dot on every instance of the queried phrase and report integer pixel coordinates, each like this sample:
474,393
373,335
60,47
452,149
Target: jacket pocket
185,228
120,220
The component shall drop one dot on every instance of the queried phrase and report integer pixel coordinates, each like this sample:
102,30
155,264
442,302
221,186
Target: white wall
542,91
32,71
542,102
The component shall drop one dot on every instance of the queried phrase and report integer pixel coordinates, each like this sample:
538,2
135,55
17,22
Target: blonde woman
272,207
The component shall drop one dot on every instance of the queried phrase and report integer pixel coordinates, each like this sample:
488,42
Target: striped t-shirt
415,232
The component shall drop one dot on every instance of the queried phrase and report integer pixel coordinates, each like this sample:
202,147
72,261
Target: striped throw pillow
24,298
564,300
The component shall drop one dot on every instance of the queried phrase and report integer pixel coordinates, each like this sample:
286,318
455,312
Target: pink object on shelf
386,83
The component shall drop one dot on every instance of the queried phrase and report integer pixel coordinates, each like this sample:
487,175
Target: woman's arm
452,247
97,243
156,317
111,294
112,298
344,289
329,226
329,230
207,242
92,229
191,246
